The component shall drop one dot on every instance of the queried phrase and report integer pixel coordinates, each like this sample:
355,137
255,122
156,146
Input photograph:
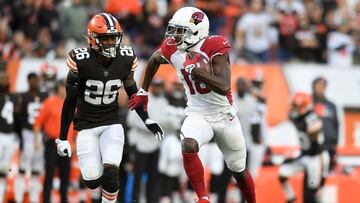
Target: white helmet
188,26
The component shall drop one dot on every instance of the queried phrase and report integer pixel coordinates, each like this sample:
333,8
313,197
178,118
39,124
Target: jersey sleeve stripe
72,61
134,66
71,66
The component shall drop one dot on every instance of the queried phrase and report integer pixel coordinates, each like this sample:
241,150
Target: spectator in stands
213,10
73,19
48,17
49,121
287,15
321,31
253,33
341,46
125,12
357,33
26,18
43,45
307,42
326,110
152,27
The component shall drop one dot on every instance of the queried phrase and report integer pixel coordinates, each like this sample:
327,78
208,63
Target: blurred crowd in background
262,31
316,31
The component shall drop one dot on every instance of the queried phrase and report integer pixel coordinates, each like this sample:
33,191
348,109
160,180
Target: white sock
82,194
108,197
214,198
19,187
2,189
34,189
95,193
288,190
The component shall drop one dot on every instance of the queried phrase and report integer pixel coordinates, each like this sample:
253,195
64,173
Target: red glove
138,99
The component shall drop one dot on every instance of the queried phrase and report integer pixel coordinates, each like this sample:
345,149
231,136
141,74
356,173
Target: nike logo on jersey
232,118
224,43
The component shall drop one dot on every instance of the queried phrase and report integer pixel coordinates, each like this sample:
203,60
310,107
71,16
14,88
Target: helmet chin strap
189,46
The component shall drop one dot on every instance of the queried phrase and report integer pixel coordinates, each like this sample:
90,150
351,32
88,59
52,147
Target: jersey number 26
99,93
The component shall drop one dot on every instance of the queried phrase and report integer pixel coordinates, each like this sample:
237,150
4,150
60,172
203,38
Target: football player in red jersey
95,76
210,113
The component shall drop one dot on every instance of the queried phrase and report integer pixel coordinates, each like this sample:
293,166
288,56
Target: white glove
63,147
189,68
155,128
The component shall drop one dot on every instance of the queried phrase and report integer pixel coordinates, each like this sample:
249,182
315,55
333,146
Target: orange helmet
301,102
101,28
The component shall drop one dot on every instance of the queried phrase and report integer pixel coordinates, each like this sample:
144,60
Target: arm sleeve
140,110
68,110
167,50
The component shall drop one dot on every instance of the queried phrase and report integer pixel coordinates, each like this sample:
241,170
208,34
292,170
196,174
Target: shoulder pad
215,45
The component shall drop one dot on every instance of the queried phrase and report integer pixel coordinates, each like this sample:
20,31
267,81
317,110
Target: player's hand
191,63
141,98
155,128
63,147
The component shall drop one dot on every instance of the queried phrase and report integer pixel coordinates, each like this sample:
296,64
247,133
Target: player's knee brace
110,181
93,184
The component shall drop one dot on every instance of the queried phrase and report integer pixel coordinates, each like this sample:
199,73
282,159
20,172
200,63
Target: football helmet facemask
104,34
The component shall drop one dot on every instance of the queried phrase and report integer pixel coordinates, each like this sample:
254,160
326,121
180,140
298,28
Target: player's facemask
109,44
177,35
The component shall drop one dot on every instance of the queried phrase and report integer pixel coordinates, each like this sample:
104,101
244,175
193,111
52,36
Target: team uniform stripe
110,21
110,196
106,18
71,61
135,64
71,66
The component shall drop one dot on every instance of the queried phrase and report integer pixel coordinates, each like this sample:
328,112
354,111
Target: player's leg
139,167
35,186
64,172
232,144
216,167
288,169
152,193
88,152
7,148
195,132
26,155
315,173
111,144
50,164
256,157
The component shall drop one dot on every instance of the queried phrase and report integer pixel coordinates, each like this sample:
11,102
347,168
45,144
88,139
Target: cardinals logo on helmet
197,17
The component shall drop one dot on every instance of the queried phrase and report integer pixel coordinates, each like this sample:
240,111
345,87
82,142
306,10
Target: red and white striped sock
108,197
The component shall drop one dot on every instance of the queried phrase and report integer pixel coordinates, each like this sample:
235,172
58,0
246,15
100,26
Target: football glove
190,64
155,128
141,98
63,147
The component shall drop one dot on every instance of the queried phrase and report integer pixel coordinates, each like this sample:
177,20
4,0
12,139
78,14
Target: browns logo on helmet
104,34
